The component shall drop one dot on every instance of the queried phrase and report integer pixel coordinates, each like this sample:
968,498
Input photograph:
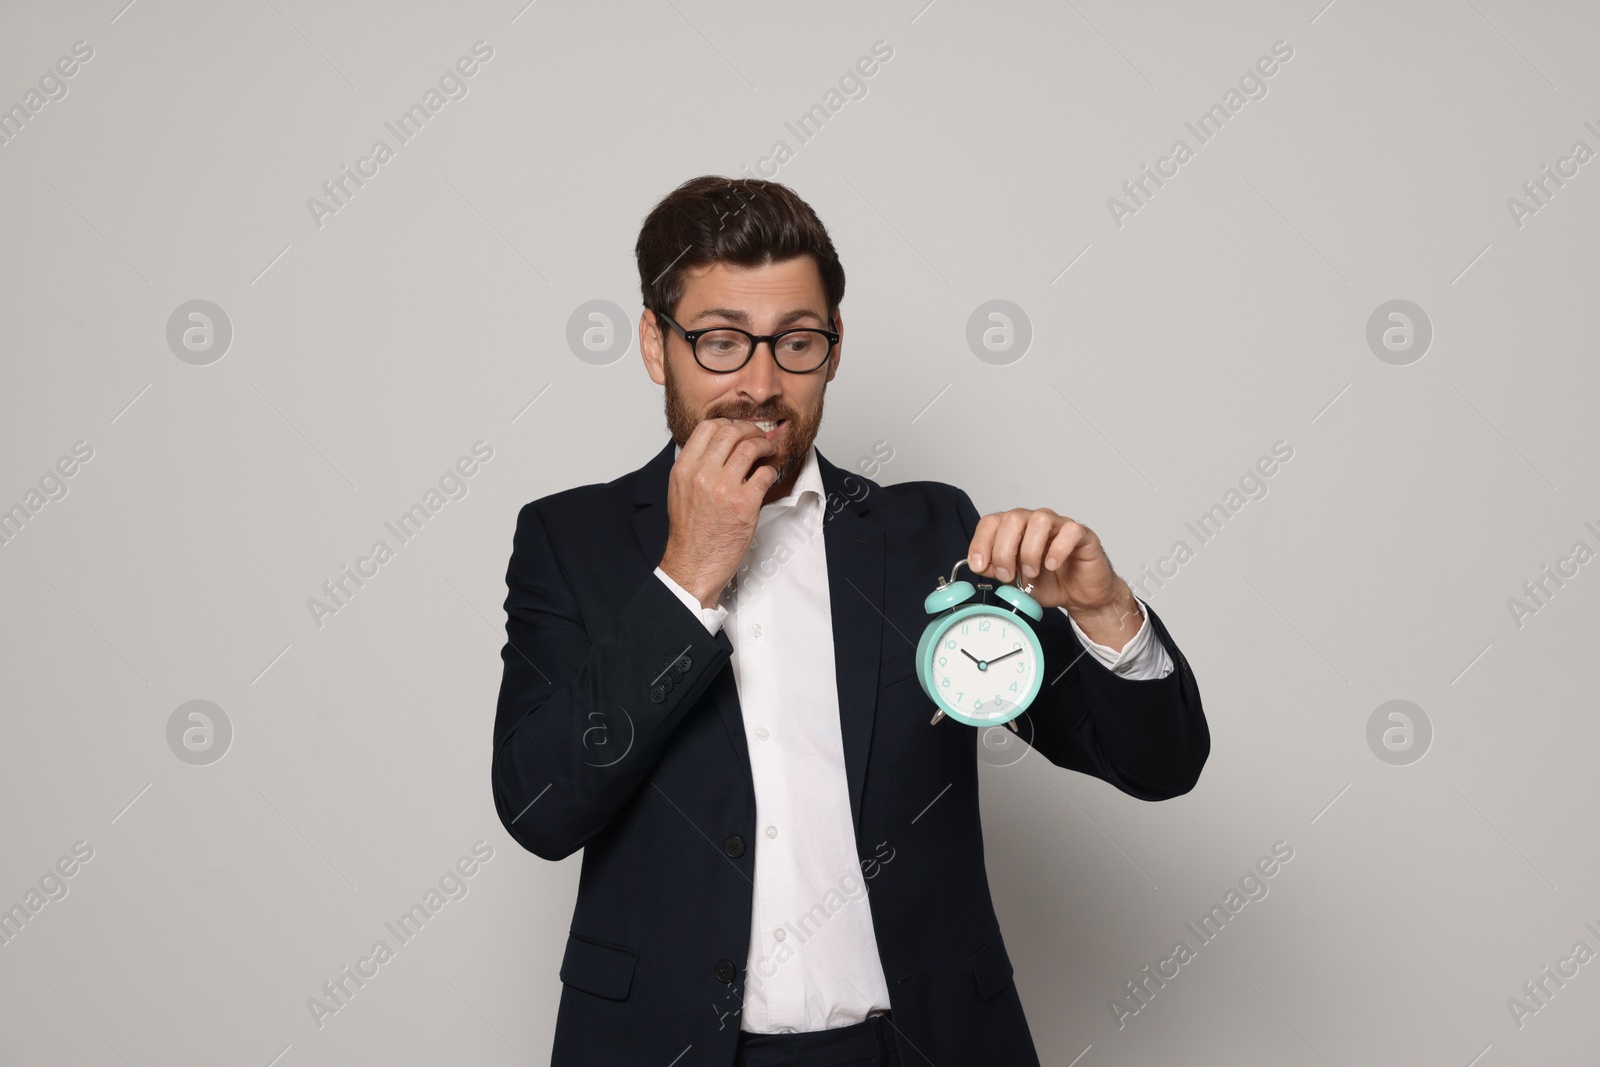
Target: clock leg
936,716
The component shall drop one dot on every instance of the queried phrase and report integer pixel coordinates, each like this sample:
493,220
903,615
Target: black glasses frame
693,336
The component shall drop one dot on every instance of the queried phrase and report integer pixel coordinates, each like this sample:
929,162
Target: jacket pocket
991,967
600,969
896,672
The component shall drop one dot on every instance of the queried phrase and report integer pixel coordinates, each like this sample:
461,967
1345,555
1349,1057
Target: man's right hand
713,502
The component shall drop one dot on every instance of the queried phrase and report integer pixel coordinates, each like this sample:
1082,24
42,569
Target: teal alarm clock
980,663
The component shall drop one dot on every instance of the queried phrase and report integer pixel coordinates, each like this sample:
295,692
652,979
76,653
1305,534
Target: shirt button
762,732
772,831
755,629
779,934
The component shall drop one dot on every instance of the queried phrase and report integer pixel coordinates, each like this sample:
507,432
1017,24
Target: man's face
762,300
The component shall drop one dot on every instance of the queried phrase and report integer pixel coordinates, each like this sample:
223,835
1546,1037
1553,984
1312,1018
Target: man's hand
713,502
1066,564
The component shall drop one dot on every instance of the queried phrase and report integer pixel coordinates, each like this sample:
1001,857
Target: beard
799,431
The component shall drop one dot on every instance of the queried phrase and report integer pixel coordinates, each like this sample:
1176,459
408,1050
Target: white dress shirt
813,961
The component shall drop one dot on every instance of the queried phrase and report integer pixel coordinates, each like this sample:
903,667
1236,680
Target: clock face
985,665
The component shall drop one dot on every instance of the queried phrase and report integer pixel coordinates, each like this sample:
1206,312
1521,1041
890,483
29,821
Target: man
709,687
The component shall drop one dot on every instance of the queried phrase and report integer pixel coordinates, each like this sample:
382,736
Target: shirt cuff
710,617
1143,658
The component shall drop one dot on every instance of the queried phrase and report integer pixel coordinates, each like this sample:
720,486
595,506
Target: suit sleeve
583,717
1146,737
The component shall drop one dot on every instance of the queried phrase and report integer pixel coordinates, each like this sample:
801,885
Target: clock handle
965,562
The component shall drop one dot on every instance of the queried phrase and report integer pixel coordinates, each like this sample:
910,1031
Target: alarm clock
980,663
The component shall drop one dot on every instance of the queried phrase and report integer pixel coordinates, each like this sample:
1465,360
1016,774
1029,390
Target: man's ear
838,349
651,349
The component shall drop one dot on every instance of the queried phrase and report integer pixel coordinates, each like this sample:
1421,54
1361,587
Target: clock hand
973,658
1013,652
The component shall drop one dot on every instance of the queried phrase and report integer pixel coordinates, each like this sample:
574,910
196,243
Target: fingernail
1028,571
1050,563
977,559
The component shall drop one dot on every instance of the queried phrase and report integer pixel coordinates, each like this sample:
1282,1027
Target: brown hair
746,222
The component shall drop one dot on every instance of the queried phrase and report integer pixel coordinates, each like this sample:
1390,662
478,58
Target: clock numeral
977,705
942,660
983,625
964,627
1021,667
1014,687
945,683
958,697
950,643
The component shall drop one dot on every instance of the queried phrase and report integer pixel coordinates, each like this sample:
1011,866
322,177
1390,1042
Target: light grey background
1167,354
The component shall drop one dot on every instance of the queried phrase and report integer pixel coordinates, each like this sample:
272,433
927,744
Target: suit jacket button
733,845
725,971
657,694
685,663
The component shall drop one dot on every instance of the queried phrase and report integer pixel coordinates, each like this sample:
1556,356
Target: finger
1006,540
725,436
699,438
979,553
761,479
1066,541
1035,536
745,453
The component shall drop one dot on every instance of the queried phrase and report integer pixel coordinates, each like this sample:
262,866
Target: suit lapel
854,545
854,542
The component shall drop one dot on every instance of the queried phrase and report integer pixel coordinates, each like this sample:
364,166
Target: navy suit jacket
618,731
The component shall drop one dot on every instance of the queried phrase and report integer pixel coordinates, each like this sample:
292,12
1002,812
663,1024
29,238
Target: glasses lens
802,350
722,349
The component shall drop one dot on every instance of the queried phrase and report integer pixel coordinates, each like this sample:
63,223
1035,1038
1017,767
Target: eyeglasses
725,349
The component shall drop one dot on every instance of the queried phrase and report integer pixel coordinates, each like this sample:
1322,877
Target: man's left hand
1066,564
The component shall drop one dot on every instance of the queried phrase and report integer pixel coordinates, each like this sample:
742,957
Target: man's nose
762,377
